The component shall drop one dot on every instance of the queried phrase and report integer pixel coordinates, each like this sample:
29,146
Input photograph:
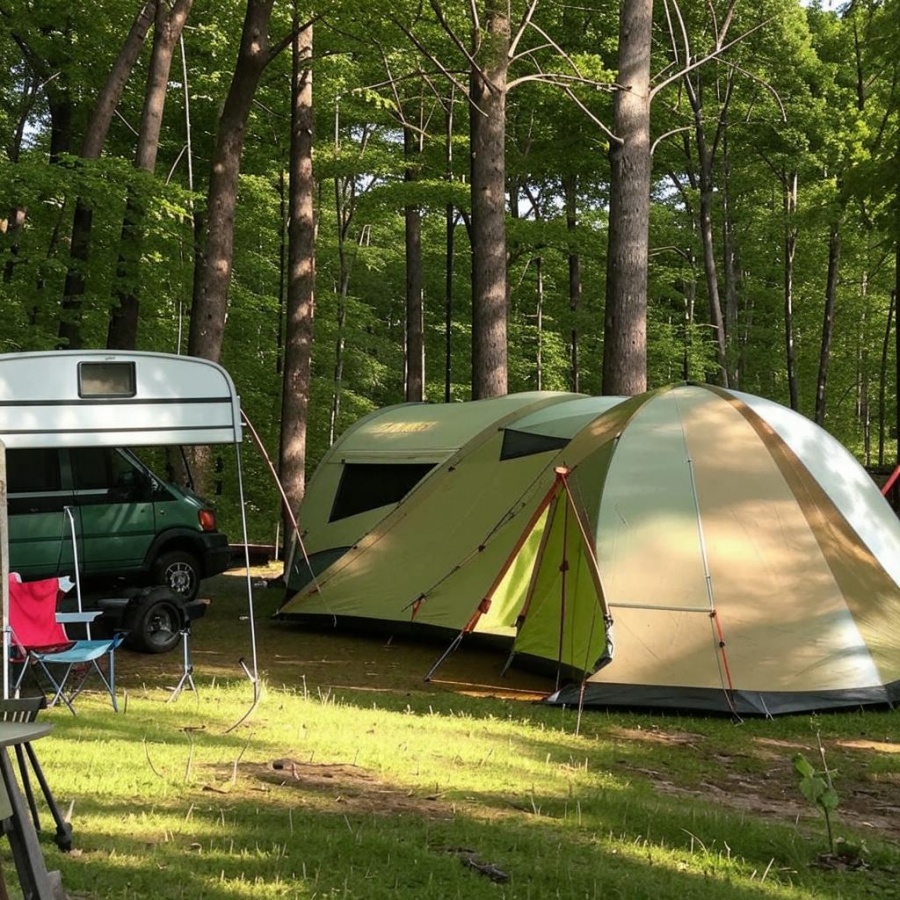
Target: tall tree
415,313
91,148
488,78
296,379
625,323
214,263
168,26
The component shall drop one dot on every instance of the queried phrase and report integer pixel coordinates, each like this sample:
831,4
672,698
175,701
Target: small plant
818,788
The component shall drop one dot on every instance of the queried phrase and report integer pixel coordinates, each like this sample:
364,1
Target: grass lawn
353,778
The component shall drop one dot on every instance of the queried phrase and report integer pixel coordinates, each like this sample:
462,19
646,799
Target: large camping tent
747,561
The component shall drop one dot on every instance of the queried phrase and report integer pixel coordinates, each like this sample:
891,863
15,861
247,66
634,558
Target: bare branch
669,134
521,32
685,40
574,98
559,78
704,59
430,56
442,21
552,43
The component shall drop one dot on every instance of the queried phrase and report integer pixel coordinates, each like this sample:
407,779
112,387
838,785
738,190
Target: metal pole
4,569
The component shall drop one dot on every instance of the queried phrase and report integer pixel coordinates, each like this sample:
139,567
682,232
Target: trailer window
106,379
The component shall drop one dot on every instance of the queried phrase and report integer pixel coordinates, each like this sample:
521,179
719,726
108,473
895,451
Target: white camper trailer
79,502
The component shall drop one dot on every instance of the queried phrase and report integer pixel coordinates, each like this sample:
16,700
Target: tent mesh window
366,486
523,443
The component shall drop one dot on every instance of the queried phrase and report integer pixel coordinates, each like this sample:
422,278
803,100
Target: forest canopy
354,204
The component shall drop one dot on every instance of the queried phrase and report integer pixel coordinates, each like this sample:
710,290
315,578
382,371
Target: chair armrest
69,618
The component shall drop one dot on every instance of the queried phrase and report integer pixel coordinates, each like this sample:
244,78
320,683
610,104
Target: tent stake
456,642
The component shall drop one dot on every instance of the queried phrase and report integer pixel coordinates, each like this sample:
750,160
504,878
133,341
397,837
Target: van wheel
155,626
179,571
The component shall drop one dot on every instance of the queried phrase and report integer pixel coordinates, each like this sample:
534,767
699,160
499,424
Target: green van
81,505
129,526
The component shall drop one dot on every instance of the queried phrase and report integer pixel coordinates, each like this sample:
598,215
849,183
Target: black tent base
711,700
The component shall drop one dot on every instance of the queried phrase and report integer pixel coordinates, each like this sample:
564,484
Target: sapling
818,788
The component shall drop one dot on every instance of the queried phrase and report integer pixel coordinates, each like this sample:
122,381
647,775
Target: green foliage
817,787
810,91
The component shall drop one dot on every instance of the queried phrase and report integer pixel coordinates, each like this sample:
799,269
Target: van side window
90,469
103,469
32,471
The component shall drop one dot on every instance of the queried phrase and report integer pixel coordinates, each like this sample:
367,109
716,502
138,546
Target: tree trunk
415,314
883,371
123,321
301,283
789,203
863,406
449,235
539,324
733,346
831,285
345,208
570,190
625,325
69,332
487,147
213,276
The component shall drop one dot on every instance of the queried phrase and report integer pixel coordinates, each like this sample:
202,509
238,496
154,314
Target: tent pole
255,668
718,634
456,642
4,570
67,510
588,541
284,499
253,671
526,531
564,570
580,707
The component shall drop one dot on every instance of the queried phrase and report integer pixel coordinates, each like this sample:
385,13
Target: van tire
155,625
179,571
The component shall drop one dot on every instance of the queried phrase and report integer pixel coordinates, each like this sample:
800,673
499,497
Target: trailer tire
155,624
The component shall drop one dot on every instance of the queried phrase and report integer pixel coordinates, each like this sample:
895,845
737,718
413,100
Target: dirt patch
341,788
867,802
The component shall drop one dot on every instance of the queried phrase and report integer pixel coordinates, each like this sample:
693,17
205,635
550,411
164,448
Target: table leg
26,851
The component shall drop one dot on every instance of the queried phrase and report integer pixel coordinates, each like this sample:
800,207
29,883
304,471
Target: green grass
387,787
382,798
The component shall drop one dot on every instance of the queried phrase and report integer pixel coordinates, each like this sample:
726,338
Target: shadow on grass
298,840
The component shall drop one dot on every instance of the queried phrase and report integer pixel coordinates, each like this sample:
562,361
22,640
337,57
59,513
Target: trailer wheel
154,626
179,571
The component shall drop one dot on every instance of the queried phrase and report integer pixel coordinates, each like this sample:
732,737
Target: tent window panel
366,486
522,443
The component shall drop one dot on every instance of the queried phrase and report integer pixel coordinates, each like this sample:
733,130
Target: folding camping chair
40,642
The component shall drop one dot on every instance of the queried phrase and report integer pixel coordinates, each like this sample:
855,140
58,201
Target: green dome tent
746,561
